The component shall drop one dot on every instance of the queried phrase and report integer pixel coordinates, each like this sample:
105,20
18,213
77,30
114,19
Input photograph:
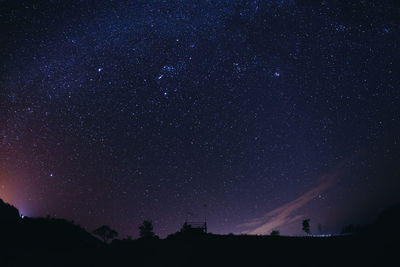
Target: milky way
112,112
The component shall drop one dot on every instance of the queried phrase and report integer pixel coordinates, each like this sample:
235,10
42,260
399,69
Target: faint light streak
284,214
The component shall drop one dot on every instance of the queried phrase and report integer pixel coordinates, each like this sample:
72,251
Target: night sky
255,114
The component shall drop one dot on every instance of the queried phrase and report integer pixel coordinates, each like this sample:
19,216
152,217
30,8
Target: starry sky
254,114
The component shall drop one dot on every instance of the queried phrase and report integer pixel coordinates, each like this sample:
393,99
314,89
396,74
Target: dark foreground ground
57,242
214,250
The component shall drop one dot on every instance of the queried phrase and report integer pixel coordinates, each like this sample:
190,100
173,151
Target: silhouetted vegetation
105,233
58,242
146,230
275,233
306,226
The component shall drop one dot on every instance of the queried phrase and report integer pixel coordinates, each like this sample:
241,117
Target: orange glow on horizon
9,187
5,192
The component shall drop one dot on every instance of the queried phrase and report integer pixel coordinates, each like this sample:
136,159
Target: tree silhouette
275,233
146,230
306,226
105,233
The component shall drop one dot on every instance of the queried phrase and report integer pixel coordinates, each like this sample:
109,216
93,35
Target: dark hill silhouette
40,232
8,213
388,222
54,232
58,242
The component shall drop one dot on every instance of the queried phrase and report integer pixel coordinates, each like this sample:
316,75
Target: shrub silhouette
275,233
146,230
306,226
105,233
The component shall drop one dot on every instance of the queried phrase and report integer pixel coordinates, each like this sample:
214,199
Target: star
258,99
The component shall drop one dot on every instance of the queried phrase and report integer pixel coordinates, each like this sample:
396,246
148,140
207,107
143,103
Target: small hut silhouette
194,227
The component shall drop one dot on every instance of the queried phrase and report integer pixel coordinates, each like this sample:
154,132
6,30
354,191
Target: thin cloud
284,215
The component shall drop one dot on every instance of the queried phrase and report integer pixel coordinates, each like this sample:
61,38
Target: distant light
22,215
99,69
322,235
277,74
